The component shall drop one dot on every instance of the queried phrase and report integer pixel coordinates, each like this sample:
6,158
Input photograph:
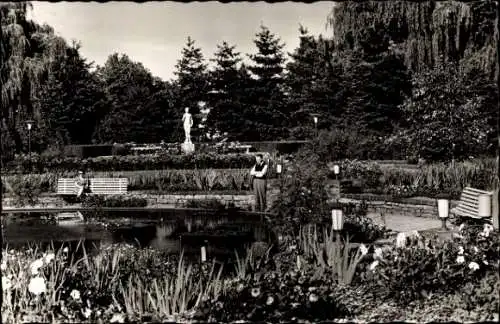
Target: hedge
42,164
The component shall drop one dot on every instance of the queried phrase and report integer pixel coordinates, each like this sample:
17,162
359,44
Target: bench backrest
99,186
469,202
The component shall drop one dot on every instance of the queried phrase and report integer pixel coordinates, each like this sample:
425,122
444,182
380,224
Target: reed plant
158,180
171,295
331,253
55,285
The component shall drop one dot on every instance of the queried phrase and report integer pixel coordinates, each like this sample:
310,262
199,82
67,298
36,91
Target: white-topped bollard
203,254
443,211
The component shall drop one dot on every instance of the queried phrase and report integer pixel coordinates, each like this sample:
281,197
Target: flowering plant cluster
278,296
431,267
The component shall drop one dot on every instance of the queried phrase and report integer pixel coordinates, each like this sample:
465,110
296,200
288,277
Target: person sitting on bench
80,184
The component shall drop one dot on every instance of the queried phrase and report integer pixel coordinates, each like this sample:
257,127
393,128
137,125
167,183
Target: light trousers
260,188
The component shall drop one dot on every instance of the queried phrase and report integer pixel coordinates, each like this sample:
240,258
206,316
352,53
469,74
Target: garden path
405,223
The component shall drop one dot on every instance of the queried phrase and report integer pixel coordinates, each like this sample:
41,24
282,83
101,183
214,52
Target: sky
154,33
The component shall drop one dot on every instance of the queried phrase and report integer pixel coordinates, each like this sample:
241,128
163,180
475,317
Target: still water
221,232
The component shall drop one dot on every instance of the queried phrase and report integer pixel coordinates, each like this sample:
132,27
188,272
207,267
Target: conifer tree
191,83
268,116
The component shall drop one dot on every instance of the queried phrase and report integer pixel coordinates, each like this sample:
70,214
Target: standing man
259,174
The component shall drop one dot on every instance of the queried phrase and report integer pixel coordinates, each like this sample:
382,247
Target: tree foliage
445,115
267,117
415,75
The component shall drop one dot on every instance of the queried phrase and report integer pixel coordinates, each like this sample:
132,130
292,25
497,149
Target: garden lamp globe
278,168
336,169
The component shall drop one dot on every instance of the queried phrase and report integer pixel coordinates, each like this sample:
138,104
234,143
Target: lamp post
315,119
336,171
443,211
29,125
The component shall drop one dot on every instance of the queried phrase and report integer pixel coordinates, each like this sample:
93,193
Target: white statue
187,120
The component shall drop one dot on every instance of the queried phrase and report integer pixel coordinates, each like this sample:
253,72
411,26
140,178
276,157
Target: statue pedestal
187,147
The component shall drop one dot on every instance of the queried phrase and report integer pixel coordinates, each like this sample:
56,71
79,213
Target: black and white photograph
250,162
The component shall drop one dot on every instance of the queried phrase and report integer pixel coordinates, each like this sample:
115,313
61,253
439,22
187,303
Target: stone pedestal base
187,147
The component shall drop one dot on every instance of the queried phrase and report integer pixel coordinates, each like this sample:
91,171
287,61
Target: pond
172,230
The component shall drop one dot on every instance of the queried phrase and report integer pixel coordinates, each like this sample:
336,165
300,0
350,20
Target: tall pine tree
192,81
227,86
267,118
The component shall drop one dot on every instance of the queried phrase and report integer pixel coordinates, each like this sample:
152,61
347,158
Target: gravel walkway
405,223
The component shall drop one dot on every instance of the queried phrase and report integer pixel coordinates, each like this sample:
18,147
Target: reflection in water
166,231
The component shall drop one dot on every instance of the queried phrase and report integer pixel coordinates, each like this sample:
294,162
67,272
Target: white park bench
98,186
468,205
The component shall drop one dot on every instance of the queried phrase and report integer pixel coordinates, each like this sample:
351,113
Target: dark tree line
369,77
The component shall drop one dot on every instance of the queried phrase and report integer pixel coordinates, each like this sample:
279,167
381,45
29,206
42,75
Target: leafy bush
39,164
25,190
96,201
276,296
435,267
206,204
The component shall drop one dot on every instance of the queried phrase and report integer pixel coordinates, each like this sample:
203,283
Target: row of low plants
311,277
166,181
42,164
428,180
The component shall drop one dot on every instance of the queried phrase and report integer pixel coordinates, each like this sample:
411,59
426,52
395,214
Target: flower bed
162,181
313,280
41,164
426,181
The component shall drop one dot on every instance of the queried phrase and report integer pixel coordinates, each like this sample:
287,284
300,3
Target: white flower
460,250
270,300
6,283
255,292
378,253
313,298
3,266
488,228
75,294
37,286
364,249
373,265
401,240
461,227
476,250
117,318
35,266
87,312
485,262
65,250
473,266
49,257
460,259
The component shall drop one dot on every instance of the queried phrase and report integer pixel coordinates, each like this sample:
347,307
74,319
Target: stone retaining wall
245,201
386,207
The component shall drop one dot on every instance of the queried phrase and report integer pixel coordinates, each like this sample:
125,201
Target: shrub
435,267
26,190
95,201
276,296
39,164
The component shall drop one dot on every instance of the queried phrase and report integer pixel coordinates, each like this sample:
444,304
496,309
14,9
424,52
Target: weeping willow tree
27,52
427,32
